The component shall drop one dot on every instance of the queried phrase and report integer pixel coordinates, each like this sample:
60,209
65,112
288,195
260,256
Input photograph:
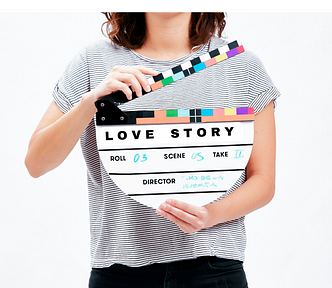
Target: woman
178,245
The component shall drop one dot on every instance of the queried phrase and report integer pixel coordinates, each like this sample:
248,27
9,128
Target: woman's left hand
188,217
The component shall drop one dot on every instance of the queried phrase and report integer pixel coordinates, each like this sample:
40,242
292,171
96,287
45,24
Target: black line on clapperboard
173,193
172,172
177,147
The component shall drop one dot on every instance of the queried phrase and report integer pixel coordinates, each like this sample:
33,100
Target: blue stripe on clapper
183,113
207,112
178,76
199,66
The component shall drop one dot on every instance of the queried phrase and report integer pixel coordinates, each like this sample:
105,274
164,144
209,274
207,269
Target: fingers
189,208
125,80
184,226
134,77
123,77
189,218
148,71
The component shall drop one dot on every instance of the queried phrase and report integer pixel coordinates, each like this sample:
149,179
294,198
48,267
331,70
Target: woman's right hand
57,133
121,78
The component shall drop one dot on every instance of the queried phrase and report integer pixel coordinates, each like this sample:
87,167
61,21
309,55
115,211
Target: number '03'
138,157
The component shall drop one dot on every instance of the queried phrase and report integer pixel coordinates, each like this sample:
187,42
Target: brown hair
129,29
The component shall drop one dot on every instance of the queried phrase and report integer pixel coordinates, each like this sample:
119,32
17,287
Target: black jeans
203,272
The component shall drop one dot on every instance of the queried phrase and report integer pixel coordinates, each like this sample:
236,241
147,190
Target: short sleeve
74,82
261,90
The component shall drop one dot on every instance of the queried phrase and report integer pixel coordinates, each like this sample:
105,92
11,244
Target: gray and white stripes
123,230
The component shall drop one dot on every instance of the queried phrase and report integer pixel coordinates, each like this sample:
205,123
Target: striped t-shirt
123,230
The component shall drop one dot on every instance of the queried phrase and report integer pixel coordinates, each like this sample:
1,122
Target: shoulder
101,44
105,53
104,45
247,56
100,49
216,42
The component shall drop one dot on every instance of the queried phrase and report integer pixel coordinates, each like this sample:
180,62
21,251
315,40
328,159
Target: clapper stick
162,79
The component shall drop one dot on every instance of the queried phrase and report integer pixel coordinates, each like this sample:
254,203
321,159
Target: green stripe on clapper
171,113
167,80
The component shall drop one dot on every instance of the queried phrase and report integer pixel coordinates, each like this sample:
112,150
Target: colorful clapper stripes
191,115
195,65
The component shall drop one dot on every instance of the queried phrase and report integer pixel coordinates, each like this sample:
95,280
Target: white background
44,236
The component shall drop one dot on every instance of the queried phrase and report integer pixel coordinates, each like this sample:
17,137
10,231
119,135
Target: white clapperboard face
191,155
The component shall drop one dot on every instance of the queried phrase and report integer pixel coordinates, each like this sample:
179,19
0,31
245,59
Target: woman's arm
57,133
256,192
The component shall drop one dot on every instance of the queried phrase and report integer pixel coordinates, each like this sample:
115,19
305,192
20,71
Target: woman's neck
167,36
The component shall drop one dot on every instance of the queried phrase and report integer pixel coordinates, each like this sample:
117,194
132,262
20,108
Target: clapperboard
193,155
